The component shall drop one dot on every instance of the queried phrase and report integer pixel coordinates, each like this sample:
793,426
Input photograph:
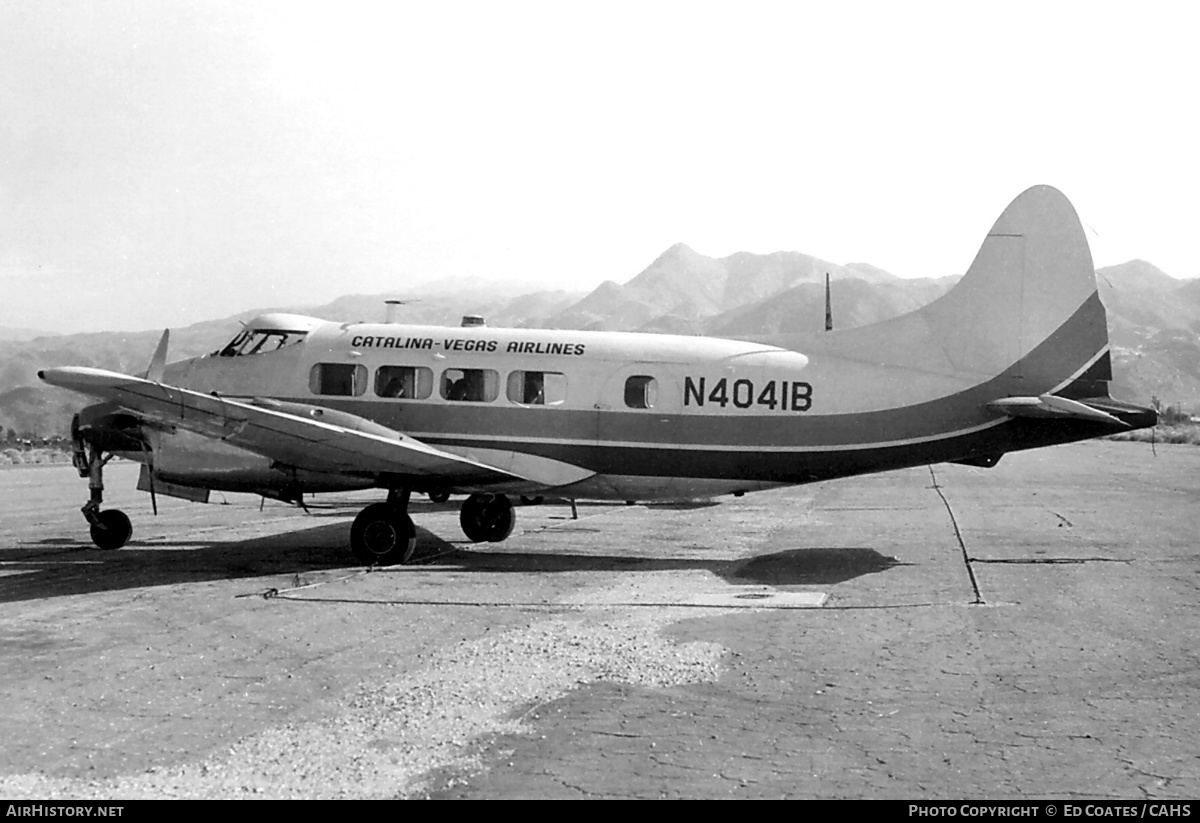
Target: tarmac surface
1026,631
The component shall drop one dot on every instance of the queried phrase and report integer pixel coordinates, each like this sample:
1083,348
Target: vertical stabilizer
1032,280
1024,320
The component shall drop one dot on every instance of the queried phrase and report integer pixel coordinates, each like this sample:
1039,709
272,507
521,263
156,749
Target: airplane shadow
59,567
792,567
816,566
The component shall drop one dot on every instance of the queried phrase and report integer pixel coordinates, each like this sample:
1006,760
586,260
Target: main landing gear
487,518
383,534
110,529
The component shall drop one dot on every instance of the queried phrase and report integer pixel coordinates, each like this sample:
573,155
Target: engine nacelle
189,459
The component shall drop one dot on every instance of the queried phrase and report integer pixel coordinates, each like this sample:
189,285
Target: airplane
1014,356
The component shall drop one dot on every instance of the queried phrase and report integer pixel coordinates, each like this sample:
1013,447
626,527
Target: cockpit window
260,341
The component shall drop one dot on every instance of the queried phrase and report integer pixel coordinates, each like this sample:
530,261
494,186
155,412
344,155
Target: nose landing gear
110,529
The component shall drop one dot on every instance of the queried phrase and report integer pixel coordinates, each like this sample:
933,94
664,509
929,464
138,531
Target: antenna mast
828,306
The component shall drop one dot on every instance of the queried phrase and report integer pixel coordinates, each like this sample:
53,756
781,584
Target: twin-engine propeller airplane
1015,356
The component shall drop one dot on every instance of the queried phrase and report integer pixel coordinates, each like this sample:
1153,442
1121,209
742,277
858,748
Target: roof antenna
828,306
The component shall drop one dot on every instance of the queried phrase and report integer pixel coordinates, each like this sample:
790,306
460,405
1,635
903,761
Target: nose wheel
110,529
487,518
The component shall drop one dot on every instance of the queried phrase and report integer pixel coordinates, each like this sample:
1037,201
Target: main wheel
487,518
382,535
439,496
532,501
113,530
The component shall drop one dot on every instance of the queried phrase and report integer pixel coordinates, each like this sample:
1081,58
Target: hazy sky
168,161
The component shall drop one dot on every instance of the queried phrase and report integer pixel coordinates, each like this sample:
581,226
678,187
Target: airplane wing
352,445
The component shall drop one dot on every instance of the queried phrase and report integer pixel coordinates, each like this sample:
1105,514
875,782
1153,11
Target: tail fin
1028,306
1026,319
1024,322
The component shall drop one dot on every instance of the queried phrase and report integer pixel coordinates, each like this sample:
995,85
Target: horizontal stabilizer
1049,405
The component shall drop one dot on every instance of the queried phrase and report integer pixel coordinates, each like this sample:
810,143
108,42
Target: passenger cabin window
641,392
537,388
471,385
340,379
406,382
261,341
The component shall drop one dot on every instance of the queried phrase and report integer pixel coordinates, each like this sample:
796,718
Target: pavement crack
619,734
1062,519
1049,561
572,787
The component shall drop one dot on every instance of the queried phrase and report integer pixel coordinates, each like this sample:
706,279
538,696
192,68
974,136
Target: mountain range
1154,320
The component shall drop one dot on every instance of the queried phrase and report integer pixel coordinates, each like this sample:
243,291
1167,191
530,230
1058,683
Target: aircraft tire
487,518
383,535
532,501
439,496
113,531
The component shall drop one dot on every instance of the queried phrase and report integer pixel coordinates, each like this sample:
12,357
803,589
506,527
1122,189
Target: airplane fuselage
603,414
